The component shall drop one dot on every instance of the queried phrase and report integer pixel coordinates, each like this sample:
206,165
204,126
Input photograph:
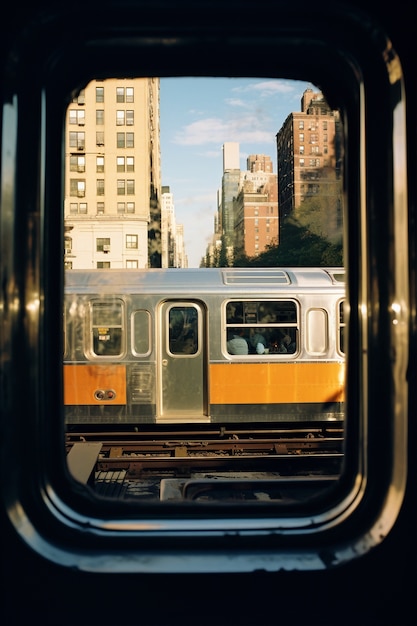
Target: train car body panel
176,354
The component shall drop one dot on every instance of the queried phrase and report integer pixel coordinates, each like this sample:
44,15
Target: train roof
202,279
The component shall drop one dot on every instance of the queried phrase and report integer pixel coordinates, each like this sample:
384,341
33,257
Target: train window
342,326
107,328
266,327
317,331
278,459
141,333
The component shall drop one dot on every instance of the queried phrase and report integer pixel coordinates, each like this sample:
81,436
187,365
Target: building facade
309,156
112,213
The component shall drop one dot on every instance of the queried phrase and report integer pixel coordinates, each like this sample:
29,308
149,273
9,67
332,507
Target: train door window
316,331
183,330
141,333
107,328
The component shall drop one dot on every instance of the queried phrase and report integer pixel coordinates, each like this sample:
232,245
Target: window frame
50,507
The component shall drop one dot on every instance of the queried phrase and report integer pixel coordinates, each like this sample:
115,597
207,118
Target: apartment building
112,212
309,155
256,212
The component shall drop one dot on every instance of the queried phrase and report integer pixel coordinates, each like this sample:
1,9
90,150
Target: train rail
223,464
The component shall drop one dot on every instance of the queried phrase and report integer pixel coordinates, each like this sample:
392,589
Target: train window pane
183,330
317,331
107,332
141,321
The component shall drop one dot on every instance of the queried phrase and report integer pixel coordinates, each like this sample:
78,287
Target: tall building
309,157
247,207
112,211
230,188
256,208
173,250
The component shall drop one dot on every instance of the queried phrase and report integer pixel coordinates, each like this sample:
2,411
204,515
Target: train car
139,349
70,557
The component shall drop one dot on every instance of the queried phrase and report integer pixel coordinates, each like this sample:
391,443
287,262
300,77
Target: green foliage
300,246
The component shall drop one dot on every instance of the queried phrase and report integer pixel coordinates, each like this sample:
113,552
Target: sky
199,115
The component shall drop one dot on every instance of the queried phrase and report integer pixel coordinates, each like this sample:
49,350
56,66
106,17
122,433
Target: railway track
221,464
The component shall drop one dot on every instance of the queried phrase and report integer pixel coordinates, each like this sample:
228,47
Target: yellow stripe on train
267,383
82,382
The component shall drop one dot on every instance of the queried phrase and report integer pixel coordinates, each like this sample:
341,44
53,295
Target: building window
80,99
68,265
99,94
100,186
301,124
103,265
120,164
130,187
301,137
76,208
77,187
68,245
77,140
121,187
130,118
130,207
99,117
120,118
130,164
100,208
121,140
100,164
125,140
77,163
301,149
120,94
77,116
99,138
132,265
132,241
301,162
103,244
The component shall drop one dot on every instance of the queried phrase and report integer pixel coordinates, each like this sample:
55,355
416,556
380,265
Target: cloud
243,129
266,88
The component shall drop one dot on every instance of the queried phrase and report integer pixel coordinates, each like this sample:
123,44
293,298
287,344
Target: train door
183,362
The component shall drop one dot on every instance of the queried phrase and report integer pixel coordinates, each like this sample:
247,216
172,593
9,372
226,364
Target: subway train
71,557
139,349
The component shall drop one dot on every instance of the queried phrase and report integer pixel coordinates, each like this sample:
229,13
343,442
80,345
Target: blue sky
197,116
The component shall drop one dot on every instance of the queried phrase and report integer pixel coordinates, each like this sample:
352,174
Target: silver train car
204,345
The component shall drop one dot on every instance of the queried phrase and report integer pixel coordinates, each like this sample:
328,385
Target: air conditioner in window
80,147
81,122
106,248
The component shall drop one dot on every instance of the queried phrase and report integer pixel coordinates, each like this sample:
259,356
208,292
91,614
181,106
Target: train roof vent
337,275
255,277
